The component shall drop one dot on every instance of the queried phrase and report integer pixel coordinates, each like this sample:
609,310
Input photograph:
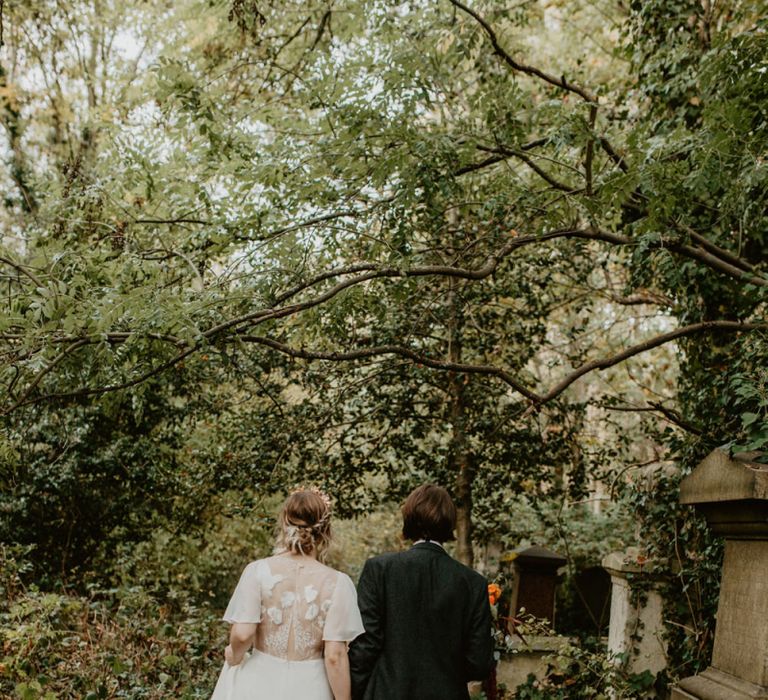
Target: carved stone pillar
732,494
636,628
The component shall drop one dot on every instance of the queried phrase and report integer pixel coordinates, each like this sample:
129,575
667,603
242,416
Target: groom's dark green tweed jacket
427,627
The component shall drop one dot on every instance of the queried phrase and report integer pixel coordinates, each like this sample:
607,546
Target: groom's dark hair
429,514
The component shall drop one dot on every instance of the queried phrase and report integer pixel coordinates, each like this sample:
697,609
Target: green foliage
195,186
157,632
679,542
750,402
586,670
119,643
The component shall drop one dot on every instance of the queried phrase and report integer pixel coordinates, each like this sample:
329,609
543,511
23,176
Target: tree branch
715,262
642,297
368,271
692,252
324,21
605,363
498,372
308,222
23,270
590,151
674,417
41,374
10,116
86,391
170,222
492,160
710,247
401,351
472,167
618,159
543,174
561,82
669,414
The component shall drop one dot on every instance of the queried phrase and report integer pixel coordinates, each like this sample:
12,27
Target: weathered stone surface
732,493
741,638
720,478
636,625
513,670
714,684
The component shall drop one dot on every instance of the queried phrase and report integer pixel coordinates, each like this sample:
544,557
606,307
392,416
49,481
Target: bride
292,617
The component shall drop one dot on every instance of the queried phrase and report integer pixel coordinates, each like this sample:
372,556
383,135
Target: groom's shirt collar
429,542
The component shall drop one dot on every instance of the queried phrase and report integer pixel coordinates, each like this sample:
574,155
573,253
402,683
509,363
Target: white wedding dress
298,604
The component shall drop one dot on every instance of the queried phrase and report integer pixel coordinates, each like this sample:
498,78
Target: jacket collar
430,546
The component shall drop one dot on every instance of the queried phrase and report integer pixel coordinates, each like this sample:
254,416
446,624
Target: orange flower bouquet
494,593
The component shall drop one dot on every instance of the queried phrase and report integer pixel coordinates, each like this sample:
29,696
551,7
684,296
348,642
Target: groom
427,618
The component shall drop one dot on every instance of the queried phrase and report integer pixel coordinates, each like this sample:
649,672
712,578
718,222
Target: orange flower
494,593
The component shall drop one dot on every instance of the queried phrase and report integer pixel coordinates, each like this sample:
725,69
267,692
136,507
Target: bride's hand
230,658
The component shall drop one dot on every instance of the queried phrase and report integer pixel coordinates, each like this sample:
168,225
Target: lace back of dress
296,595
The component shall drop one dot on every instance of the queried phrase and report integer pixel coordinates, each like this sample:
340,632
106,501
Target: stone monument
732,494
636,627
535,584
536,574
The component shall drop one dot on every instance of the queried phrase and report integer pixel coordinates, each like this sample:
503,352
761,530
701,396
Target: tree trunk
460,459
464,549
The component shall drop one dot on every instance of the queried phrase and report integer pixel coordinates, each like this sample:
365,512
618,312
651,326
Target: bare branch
308,222
324,22
170,222
492,160
669,414
561,82
472,167
710,247
674,417
590,153
402,351
23,269
688,251
642,298
543,174
41,374
656,341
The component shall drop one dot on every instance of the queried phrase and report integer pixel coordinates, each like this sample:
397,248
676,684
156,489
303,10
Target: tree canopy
371,242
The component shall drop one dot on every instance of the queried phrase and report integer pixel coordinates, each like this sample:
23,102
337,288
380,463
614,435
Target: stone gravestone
732,494
535,582
593,590
636,628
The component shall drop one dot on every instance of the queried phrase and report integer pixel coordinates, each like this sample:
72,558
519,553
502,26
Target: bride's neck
293,555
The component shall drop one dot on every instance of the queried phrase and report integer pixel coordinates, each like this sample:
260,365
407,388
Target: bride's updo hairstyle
304,523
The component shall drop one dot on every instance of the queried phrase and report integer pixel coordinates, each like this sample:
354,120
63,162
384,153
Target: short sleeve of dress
343,622
245,604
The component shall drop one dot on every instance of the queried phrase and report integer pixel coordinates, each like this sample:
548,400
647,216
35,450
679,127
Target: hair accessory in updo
313,489
305,523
